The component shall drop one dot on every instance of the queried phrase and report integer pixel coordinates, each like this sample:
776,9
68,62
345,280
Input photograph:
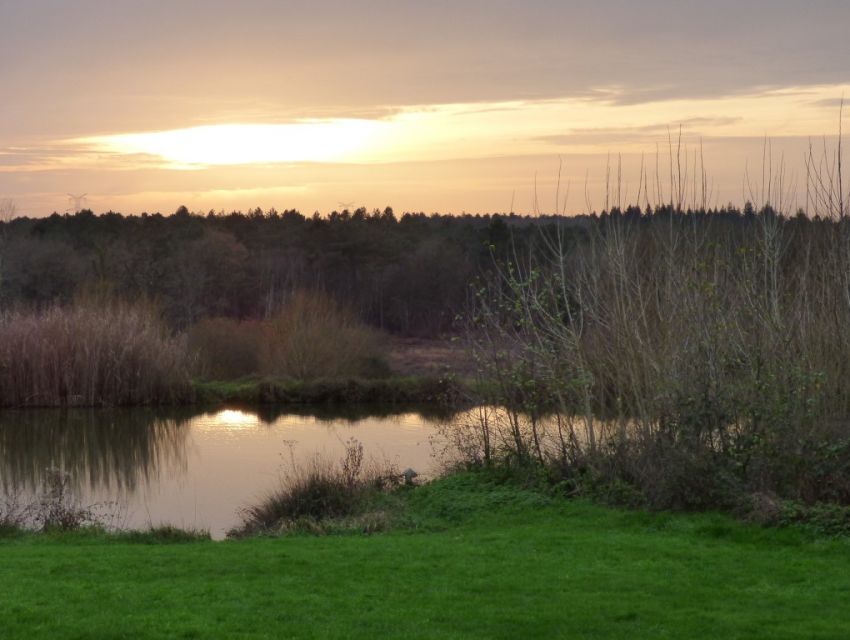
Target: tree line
407,274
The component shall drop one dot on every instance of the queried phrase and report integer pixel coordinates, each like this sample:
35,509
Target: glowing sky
447,106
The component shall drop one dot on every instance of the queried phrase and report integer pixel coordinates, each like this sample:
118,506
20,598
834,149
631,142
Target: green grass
396,390
475,560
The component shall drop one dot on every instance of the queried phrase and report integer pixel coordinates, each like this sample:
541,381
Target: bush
312,337
58,509
54,508
13,515
309,338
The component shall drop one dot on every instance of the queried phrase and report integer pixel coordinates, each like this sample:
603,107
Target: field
469,559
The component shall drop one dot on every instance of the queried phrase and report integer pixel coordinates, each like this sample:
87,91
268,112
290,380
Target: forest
408,275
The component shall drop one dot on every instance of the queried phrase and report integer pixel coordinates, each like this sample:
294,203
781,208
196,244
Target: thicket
676,360
407,274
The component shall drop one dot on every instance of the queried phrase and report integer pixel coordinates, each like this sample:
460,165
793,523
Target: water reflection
111,449
194,469
350,413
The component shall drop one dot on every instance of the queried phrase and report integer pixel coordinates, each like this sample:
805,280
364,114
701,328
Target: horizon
502,106
746,208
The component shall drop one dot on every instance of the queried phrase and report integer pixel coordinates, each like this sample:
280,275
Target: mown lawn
483,561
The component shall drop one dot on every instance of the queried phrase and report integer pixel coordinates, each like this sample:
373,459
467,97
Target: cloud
830,103
655,132
161,64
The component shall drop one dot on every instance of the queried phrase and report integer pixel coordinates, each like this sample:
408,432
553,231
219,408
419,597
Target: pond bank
195,467
441,391
446,392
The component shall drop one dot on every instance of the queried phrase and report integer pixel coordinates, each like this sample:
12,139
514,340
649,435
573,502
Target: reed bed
91,355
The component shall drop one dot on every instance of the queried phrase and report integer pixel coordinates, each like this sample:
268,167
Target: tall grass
55,508
320,491
89,355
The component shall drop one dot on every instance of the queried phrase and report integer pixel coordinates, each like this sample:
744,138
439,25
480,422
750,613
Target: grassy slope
487,561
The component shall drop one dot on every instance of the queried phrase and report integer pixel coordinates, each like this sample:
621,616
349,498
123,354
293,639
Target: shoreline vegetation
442,392
100,352
357,496
667,359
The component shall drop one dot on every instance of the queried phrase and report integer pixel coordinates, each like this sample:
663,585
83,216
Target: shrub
14,514
55,507
58,509
312,336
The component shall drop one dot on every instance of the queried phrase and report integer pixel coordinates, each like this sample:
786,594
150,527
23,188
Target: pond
146,467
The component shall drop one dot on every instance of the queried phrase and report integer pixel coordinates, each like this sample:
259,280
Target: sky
476,106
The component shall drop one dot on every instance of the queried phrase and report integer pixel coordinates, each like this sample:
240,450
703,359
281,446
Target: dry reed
90,355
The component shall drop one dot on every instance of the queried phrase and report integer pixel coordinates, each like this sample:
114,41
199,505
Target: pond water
192,470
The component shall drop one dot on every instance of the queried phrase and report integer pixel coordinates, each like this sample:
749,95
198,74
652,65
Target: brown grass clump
90,355
320,491
54,508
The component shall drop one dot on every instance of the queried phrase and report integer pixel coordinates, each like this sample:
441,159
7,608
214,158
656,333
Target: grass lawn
482,560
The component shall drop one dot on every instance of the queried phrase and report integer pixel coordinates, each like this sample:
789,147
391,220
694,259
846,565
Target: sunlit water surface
146,467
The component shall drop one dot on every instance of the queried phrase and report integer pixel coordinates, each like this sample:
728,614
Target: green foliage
164,534
820,519
440,392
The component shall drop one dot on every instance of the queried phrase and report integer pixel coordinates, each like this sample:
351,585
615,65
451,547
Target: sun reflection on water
232,419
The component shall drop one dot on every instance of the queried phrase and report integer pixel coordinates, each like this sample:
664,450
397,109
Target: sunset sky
423,106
